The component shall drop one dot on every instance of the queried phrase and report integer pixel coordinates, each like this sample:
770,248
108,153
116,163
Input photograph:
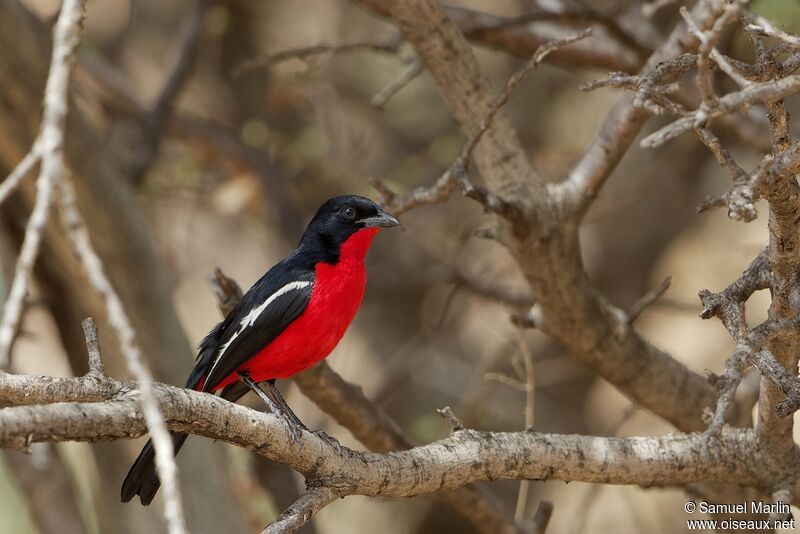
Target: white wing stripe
250,318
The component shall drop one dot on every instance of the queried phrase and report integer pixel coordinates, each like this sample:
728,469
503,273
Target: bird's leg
272,391
249,382
275,395
277,405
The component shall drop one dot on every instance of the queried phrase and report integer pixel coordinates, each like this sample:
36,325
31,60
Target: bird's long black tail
142,479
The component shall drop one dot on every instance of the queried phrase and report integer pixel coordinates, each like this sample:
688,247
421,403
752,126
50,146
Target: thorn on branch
450,417
713,378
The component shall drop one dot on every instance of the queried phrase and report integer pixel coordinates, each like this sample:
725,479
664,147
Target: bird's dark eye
349,213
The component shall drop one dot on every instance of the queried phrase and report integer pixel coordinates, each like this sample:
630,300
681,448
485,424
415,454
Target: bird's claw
295,431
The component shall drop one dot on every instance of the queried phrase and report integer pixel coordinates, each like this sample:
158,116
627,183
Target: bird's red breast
336,296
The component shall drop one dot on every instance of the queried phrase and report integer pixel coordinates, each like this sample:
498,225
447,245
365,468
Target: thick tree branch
466,456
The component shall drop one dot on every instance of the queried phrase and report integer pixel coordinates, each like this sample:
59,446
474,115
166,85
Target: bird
292,318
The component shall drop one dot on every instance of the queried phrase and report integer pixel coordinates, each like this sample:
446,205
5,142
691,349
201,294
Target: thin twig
78,235
20,171
391,46
49,144
414,69
303,509
504,379
530,398
723,156
763,27
730,103
450,417
648,299
93,347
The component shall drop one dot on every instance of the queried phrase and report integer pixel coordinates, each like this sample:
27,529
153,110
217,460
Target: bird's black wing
272,304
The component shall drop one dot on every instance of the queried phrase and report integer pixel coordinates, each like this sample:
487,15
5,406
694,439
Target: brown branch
521,38
466,456
20,171
413,70
303,509
646,300
729,307
779,187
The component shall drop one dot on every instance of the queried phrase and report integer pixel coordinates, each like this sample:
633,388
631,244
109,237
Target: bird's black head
340,218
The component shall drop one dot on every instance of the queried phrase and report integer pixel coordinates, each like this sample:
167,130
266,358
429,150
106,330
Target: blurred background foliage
247,159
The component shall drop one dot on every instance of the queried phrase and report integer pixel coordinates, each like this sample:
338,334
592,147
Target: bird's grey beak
381,220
